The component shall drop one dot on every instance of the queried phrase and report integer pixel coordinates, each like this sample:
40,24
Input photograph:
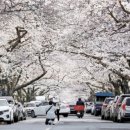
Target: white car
64,109
89,106
13,105
6,112
36,108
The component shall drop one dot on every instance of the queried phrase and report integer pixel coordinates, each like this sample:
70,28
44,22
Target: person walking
50,114
58,111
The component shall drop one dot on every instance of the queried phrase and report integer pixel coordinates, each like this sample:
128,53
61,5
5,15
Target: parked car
112,107
96,109
124,110
92,109
72,110
64,109
89,107
36,108
29,107
118,106
107,110
14,106
22,112
6,112
104,106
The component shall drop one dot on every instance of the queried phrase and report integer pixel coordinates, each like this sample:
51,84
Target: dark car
104,106
118,106
97,109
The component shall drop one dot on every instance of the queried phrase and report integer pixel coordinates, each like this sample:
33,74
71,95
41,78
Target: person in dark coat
58,111
80,102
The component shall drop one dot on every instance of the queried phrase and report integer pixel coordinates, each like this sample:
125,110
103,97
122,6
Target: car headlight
6,111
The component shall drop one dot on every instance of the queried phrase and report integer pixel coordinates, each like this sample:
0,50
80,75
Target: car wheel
33,114
111,116
102,117
119,118
106,118
114,119
9,122
16,119
95,113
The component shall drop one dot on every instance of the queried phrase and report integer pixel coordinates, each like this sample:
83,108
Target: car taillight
123,106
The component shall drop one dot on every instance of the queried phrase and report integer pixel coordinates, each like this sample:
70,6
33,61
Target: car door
41,109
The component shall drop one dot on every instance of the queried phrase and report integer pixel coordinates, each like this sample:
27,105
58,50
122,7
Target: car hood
2,108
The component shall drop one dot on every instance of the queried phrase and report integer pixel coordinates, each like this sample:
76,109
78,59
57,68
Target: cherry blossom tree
88,41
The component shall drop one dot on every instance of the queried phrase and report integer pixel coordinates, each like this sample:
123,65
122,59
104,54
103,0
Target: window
128,102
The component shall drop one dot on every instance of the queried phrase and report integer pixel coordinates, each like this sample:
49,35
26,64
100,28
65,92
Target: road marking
48,128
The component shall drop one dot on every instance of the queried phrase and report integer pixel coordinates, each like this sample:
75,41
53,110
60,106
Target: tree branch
14,43
123,8
33,80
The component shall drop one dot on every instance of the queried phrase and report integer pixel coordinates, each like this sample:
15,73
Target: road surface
89,122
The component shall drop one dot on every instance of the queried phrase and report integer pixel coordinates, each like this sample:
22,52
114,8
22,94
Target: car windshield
3,103
122,98
98,105
30,105
108,100
128,102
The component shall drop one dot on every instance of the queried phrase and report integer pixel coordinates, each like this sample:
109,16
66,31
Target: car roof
3,99
126,98
124,95
6,97
109,98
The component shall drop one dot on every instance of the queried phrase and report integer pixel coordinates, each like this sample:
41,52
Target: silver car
112,107
13,105
124,111
22,112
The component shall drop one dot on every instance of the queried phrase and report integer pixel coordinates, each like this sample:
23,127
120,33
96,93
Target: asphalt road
71,123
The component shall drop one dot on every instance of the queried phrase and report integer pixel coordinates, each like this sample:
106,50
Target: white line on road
48,129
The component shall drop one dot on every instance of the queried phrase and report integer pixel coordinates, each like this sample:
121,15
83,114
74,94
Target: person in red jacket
80,102
80,108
